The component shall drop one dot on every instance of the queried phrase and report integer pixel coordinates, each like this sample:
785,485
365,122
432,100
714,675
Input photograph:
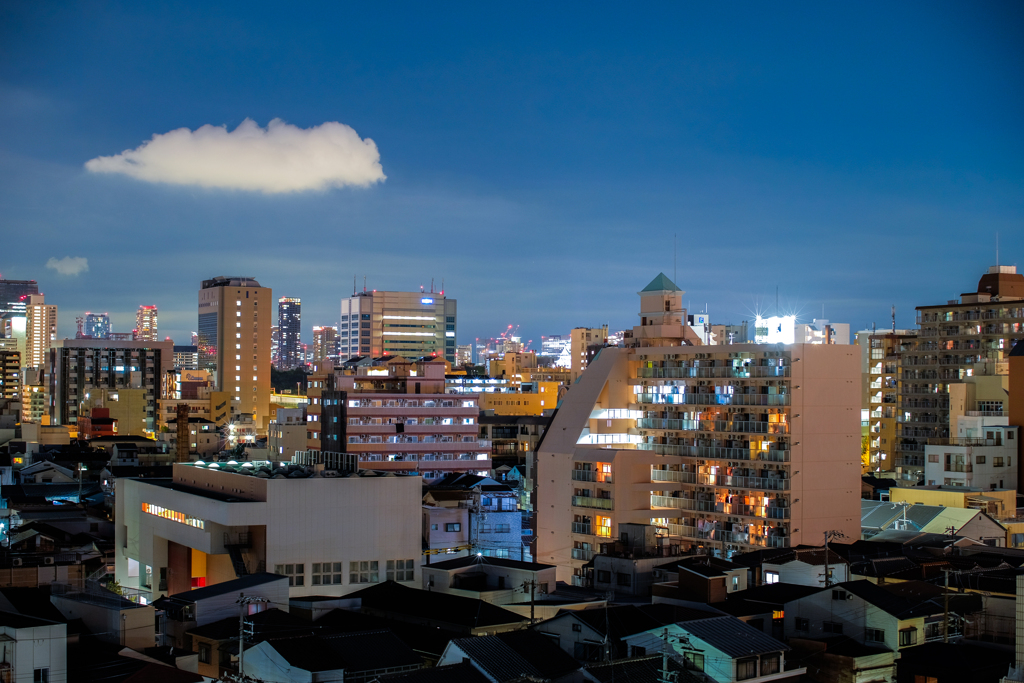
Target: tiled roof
463,672
639,670
732,636
661,284
511,655
619,621
493,561
353,652
395,599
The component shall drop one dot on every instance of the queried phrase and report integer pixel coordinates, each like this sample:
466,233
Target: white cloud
277,159
69,265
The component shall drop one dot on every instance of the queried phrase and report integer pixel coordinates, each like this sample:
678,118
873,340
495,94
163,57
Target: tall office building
234,341
97,325
325,342
289,326
40,331
145,323
14,296
722,448
407,324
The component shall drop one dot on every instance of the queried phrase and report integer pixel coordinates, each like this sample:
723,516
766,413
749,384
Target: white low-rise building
331,531
982,455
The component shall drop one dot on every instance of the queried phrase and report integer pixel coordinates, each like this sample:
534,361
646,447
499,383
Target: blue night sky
537,159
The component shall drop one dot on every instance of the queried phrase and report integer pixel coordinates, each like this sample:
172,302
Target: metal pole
241,636
826,560
945,608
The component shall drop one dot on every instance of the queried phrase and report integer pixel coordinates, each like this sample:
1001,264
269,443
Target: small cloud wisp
280,158
69,265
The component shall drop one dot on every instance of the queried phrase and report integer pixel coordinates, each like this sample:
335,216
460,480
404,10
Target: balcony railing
592,475
591,502
671,475
582,528
964,441
732,426
706,373
715,399
582,554
737,482
714,452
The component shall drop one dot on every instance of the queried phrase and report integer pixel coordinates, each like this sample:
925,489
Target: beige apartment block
880,385
579,339
723,448
235,316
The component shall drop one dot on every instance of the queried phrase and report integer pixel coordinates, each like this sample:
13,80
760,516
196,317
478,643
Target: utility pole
832,533
945,606
532,585
244,601
666,675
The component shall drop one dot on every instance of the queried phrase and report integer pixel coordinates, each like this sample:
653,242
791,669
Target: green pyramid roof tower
661,284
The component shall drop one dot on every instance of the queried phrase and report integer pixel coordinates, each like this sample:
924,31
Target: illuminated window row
179,517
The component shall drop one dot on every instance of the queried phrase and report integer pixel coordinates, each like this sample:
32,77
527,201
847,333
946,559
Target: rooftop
508,656
661,284
476,561
732,636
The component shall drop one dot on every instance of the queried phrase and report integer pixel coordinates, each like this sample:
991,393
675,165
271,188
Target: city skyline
845,178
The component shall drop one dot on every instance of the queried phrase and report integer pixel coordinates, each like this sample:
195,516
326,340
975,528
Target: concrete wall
39,647
132,627
825,490
305,521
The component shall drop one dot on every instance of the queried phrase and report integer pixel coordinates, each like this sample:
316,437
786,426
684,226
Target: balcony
732,426
591,502
582,528
671,475
592,475
747,371
714,399
715,452
737,482
582,554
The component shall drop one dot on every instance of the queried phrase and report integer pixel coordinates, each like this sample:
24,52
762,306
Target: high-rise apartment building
879,383
325,342
145,324
408,324
235,315
10,375
958,343
289,326
97,325
725,448
79,368
14,296
40,331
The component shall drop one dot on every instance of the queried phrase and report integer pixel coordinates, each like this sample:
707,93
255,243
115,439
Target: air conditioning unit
47,560
17,562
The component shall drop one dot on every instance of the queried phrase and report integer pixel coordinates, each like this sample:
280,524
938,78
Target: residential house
33,649
724,648
491,579
803,566
354,657
893,616
878,516
514,656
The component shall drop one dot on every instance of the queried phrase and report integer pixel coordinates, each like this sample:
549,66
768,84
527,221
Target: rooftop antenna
354,284
675,243
894,318
431,285
364,284
442,285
